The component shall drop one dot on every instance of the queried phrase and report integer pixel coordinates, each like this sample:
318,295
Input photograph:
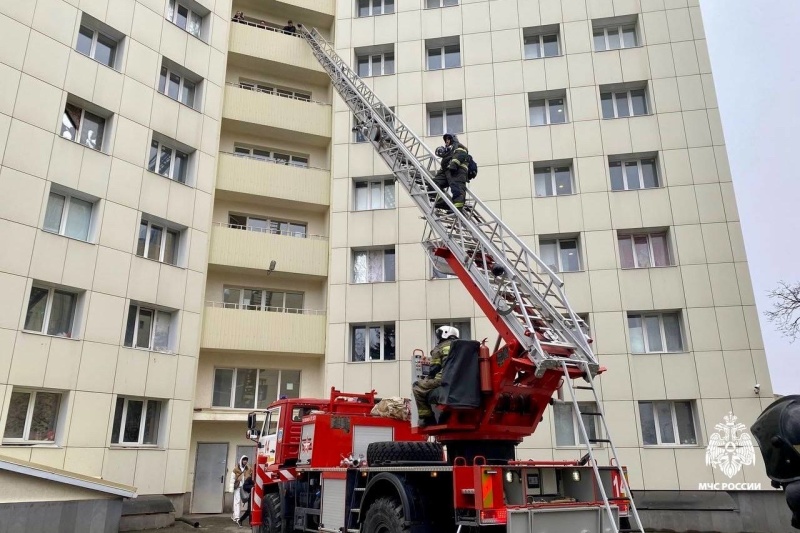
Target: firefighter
445,335
453,171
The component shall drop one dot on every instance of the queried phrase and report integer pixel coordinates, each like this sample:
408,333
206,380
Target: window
615,34
463,326
568,432
643,250
378,194
286,93
655,332
32,417
148,328
631,174
552,180
547,110
94,44
371,8
82,126
561,255
667,423
541,42
68,215
272,156
265,225
168,161
379,64
263,300
136,421
250,388
373,266
443,53
176,87
183,17
444,118
158,242
51,311
373,343
432,4
623,103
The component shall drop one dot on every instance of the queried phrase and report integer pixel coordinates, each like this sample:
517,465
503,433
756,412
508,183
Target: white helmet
446,332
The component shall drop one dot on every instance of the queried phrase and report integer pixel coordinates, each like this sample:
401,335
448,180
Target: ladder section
526,294
636,523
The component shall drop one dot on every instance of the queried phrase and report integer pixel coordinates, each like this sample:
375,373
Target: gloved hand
435,369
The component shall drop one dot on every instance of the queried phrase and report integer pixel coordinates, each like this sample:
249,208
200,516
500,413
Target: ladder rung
591,414
599,441
582,387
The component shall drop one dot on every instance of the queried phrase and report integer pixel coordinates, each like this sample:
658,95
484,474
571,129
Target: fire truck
340,465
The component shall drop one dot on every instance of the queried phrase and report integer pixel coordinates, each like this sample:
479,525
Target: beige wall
40,70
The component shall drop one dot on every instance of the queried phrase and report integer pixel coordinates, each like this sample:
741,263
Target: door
209,477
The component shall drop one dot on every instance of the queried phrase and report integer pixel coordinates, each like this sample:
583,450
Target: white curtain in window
161,336
195,22
80,214
171,10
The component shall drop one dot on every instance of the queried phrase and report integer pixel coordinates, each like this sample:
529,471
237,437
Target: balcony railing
294,234
268,308
249,87
263,26
273,160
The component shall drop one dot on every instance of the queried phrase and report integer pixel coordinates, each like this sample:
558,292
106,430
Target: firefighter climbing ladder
528,296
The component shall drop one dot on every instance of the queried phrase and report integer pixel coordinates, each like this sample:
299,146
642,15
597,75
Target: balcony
243,177
244,248
279,115
283,54
294,331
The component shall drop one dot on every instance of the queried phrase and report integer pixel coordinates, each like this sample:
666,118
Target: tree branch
785,312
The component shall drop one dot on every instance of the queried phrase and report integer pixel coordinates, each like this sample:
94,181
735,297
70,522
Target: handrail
294,234
273,93
273,161
269,309
263,26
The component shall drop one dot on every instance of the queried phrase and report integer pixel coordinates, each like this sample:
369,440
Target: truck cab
277,430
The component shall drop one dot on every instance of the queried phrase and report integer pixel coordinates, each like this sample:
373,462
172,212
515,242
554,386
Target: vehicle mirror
251,421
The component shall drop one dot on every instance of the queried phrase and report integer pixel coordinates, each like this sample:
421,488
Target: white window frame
49,309
628,101
619,29
440,3
558,241
383,184
263,307
163,246
551,173
173,5
156,314
675,427
539,37
93,48
375,8
79,128
442,53
576,434
649,236
269,155
156,163
181,87
367,327
370,62
638,161
548,117
62,226
24,440
259,87
662,331
234,376
383,252
445,127
142,422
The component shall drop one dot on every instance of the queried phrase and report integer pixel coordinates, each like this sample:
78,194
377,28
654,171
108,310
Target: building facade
222,238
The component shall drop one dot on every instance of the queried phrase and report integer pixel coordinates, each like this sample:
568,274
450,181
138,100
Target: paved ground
208,524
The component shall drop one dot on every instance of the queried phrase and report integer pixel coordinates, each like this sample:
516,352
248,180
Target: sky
756,64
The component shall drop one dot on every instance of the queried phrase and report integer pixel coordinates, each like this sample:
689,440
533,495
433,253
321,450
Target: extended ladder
527,295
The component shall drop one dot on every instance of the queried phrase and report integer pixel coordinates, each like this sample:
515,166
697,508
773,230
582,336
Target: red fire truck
342,465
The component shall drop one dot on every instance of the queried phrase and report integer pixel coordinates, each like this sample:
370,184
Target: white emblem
731,448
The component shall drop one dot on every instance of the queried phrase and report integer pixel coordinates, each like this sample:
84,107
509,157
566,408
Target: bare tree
785,312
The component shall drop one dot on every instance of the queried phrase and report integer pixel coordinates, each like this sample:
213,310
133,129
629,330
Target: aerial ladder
545,343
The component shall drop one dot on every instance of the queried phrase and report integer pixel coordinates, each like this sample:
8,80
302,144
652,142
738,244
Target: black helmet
448,137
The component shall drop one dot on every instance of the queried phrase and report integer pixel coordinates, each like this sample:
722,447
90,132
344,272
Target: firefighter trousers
421,390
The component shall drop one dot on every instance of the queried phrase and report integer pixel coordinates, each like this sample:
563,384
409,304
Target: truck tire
386,453
271,511
385,515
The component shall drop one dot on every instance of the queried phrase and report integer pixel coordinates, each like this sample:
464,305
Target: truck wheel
271,511
385,515
386,453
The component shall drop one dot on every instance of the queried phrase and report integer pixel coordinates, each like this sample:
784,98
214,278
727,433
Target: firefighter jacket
439,355
459,160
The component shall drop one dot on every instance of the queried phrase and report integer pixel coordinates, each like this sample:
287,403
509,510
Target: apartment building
198,230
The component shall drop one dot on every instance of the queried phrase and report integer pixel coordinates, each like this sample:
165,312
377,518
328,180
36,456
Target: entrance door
209,477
